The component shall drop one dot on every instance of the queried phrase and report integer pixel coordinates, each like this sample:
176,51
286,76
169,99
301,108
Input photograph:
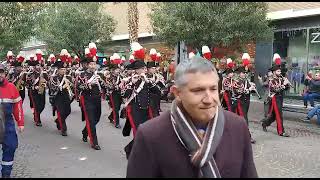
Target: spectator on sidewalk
313,90
311,113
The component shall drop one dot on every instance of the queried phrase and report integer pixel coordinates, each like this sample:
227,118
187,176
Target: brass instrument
253,87
94,80
286,81
42,83
66,85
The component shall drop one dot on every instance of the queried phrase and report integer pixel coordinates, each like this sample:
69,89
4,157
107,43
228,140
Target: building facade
296,40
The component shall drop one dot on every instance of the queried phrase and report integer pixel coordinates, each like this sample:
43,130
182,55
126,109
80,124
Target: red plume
208,55
245,62
277,61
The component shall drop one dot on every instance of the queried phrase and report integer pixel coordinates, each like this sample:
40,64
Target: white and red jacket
12,102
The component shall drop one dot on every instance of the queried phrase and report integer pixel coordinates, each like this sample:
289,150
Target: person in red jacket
10,108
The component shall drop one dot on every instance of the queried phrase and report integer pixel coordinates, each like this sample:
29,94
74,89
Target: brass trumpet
42,83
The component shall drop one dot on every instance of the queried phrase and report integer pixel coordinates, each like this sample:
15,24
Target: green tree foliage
16,24
219,24
73,25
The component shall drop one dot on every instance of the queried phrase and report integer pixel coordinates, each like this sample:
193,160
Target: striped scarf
200,149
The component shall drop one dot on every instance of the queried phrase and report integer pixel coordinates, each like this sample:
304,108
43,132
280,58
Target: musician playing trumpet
90,85
18,76
242,90
159,84
227,89
114,95
37,82
277,86
61,89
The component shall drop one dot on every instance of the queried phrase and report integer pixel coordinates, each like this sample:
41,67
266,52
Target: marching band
133,90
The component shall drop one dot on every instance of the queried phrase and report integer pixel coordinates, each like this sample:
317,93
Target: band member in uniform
38,83
242,90
18,76
277,86
62,89
10,110
29,76
227,89
81,69
264,82
138,99
90,98
158,81
115,98
52,72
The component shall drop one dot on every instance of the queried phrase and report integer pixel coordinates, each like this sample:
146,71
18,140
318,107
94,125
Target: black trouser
38,103
62,105
266,106
82,112
243,104
30,100
22,94
92,110
227,101
275,113
115,102
136,115
155,104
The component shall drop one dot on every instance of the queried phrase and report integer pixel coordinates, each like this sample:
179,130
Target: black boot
305,104
64,133
110,118
39,124
96,147
253,141
264,127
58,126
84,138
284,135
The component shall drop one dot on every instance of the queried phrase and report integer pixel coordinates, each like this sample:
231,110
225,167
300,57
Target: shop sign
316,37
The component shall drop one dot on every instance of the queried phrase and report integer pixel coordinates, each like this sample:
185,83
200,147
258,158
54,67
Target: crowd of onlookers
310,93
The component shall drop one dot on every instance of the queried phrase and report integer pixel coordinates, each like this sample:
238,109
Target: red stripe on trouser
60,120
239,109
150,112
226,98
133,126
113,110
278,118
87,119
35,113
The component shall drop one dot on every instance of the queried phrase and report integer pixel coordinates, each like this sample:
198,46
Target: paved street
43,152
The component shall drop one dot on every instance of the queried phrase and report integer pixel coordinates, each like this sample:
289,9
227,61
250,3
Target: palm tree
133,21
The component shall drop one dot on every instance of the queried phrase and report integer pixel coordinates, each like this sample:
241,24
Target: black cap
138,64
60,64
276,67
228,71
129,67
151,64
240,69
17,64
33,63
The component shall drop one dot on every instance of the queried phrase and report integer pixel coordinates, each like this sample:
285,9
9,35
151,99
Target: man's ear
176,92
